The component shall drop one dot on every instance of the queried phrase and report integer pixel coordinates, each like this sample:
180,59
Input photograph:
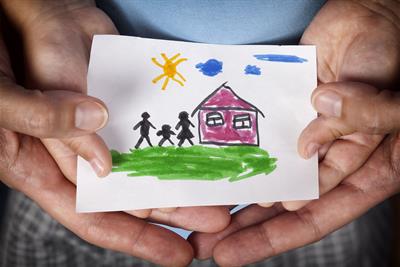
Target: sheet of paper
242,108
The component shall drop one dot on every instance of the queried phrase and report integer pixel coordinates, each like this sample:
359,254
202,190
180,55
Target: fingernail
90,116
328,103
266,204
311,149
167,210
97,167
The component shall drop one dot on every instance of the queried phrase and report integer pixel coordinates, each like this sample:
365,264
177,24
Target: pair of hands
43,132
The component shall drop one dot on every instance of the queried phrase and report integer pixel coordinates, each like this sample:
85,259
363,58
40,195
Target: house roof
225,98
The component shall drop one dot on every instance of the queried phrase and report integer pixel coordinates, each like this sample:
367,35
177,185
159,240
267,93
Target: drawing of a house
226,119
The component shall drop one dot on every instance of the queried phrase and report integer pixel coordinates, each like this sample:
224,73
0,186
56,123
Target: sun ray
156,79
179,61
174,57
181,76
156,62
164,57
165,83
169,70
174,79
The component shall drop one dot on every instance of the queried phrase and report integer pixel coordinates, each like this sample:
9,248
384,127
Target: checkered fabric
30,237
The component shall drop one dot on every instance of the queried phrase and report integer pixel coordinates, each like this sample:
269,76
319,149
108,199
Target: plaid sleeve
30,237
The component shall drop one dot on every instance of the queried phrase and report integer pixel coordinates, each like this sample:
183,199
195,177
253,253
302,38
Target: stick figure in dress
185,133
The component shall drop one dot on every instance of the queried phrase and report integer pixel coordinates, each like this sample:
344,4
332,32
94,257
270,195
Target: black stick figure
144,129
166,134
185,133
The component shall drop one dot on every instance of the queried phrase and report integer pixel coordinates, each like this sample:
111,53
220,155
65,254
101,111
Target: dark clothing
144,131
185,133
166,134
139,142
144,127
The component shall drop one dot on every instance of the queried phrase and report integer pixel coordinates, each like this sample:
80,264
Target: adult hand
356,41
57,37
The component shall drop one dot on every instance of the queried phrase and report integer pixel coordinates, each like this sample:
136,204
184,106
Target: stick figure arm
152,126
192,124
137,125
177,126
172,133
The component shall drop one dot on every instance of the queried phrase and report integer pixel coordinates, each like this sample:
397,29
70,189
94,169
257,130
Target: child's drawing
166,133
201,163
252,70
210,68
185,133
226,119
144,125
213,143
280,58
169,69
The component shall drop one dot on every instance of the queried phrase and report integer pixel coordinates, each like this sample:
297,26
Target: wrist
24,13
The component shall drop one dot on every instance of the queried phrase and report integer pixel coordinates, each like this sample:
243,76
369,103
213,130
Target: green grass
195,163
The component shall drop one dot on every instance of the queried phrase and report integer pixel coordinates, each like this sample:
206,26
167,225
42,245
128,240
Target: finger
143,213
361,191
90,147
349,107
50,114
204,243
93,149
344,157
202,219
266,204
36,174
323,150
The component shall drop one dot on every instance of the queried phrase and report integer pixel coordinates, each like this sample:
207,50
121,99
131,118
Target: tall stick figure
185,133
144,125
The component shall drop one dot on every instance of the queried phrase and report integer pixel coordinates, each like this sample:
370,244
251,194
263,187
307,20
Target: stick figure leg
161,142
172,143
190,141
139,142
148,141
181,142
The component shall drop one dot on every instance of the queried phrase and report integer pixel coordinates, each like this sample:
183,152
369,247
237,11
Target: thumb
348,107
50,114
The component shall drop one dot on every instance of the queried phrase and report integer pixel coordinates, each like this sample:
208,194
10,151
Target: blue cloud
252,69
211,68
281,58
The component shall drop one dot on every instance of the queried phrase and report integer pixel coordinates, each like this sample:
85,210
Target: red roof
225,97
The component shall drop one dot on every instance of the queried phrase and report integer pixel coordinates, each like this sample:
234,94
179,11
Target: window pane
241,121
214,119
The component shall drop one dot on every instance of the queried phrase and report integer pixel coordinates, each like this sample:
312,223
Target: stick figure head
183,115
166,127
145,115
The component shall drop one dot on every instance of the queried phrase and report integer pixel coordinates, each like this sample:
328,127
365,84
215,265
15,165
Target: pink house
226,119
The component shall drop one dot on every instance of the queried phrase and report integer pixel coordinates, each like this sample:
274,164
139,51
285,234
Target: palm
347,53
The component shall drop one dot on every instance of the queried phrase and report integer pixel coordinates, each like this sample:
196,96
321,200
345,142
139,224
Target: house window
241,121
214,119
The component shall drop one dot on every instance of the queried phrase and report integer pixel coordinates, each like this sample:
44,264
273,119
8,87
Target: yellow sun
169,70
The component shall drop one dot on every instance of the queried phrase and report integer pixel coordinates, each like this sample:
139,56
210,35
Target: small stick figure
185,133
144,125
166,134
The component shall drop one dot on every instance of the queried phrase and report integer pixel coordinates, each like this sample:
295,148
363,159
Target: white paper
121,73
